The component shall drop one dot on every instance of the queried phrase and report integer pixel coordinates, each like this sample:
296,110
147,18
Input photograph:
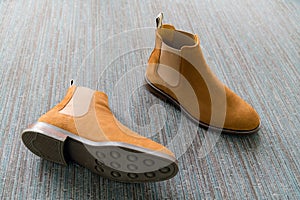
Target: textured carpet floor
252,46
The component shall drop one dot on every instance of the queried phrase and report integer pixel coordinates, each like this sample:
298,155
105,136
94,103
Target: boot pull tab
159,19
71,82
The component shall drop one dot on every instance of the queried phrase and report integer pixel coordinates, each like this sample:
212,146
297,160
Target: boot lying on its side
82,128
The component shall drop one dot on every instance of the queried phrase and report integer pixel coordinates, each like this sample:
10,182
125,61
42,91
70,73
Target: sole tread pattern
116,161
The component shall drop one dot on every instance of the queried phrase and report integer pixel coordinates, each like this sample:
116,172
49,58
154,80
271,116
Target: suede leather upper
199,91
98,124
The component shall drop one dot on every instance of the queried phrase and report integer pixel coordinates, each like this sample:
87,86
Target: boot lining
176,39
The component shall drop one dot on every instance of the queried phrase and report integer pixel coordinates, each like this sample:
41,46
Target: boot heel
46,142
161,95
151,89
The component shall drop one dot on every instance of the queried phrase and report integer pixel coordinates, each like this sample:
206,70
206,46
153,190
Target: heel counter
152,63
52,116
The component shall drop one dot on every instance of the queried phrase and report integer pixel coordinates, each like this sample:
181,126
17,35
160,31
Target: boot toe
249,119
244,119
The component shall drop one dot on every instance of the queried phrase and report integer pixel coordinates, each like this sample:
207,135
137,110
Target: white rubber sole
114,160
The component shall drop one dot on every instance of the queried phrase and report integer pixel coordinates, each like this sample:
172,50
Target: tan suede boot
82,128
178,72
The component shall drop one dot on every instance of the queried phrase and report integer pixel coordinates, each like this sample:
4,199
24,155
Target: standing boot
178,72
82,128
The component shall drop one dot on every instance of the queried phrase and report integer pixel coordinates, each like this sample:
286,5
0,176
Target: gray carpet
252,46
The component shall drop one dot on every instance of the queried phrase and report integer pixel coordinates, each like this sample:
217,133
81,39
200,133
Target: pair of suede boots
82,128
